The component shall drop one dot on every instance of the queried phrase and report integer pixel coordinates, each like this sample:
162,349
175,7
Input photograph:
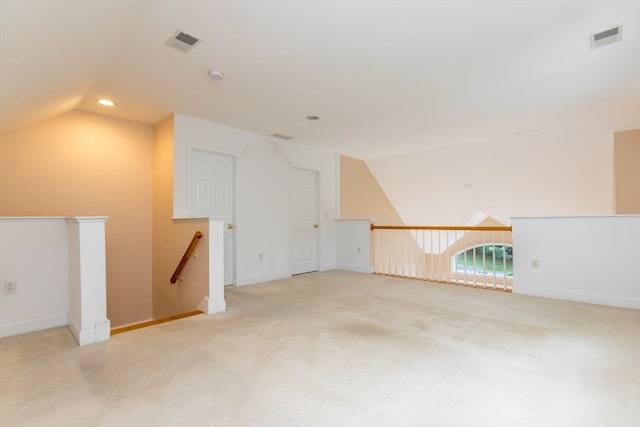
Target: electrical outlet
535,263
10,287
359,251
260,256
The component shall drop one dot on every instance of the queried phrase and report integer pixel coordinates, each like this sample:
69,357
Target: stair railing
185,258
478,256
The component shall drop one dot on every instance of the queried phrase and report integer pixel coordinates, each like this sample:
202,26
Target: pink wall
566,169
627,172
82,164
171,238
361,197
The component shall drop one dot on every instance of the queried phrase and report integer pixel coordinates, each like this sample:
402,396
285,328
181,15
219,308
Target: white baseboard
579,297
262,279
33,325
355,268
101,331
212,306
328,267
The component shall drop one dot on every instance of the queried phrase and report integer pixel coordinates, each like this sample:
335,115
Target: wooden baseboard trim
488,286
140,325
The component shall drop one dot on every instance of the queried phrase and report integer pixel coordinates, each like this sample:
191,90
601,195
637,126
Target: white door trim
234,157
318,173
305,166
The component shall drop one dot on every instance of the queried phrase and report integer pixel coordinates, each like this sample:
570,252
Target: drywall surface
565,169
34,255
192,287
55,268
262,224
171,238
627,171
361,195
353,245
83,164
586,259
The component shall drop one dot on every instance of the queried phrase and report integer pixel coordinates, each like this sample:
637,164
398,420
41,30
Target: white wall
30,253
587,259
59,265
262,194
564,169
353,245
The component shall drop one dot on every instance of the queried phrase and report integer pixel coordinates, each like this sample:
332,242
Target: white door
304,218
211,194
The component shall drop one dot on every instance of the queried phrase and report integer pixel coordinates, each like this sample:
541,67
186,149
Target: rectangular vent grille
606,37
182,41
186,38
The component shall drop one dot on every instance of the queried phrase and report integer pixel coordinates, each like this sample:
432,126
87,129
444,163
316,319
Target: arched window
485,259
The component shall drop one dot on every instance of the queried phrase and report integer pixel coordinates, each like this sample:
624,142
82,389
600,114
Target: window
485,259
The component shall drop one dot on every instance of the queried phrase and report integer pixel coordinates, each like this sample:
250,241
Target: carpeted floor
340,349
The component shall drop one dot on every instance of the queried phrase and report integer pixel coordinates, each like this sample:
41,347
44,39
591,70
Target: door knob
229,226
315,225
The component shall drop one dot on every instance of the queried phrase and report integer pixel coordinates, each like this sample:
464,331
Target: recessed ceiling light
312,117
216,74
106,102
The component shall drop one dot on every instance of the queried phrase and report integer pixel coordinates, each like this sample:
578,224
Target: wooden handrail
478,256
186,256
440,227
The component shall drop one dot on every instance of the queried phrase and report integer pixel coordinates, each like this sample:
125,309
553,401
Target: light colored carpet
340,349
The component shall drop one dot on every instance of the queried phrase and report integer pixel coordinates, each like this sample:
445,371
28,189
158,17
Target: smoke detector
606,37
182,41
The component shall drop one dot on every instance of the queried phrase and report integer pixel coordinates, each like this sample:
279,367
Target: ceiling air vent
606,37
182,41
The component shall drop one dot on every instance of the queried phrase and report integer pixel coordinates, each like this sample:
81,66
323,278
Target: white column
214,302
87,317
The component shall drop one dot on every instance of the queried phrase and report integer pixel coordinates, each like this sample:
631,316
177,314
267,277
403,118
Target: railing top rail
440,227
187,254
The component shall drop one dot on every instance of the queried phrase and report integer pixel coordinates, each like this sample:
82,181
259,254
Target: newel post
87,318
214,302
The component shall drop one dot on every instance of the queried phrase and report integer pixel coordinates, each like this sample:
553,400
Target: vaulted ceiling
384,76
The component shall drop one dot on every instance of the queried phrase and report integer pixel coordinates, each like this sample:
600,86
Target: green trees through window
487,259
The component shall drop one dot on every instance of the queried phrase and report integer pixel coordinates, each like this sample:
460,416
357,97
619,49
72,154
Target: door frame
318,171
234,176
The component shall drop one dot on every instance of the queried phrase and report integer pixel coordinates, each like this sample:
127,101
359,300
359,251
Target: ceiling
384,77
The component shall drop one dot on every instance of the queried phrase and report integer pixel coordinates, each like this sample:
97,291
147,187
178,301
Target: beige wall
396,251
171,238
565,169
627,172
86,164
361,197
